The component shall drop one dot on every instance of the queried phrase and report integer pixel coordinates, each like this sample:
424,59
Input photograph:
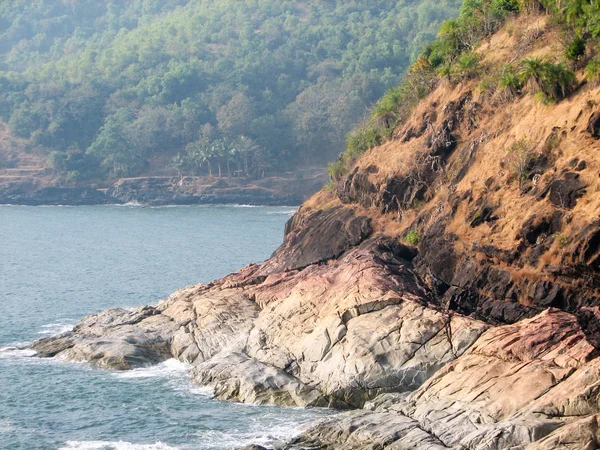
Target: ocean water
58,264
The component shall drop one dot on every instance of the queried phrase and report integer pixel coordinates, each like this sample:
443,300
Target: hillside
111,89
445,285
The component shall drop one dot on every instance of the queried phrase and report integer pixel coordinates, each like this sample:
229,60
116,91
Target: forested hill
112,88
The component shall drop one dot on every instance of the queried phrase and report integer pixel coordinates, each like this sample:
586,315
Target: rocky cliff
481,334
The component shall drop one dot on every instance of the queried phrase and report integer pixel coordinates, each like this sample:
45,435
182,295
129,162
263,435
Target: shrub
504,7
592,71
519,159
468,65
558,81
532,73
360,140
73,176
509,82
484,85
412,237
575,50
554,81
336,170
445,71
563,240
329,186
385,112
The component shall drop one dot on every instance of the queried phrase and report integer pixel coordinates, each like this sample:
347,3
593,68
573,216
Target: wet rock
366,430
25,193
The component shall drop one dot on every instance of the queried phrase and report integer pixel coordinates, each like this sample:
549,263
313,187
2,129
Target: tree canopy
114,85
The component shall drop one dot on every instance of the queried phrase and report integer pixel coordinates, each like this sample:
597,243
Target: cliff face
482,335
491,245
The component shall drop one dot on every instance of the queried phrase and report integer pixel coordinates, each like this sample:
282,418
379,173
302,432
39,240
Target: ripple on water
120,445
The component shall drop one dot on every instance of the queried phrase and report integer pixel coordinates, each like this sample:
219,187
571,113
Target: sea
59,264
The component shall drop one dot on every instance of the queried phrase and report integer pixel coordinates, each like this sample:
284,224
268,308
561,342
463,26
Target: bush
412,237
73,176
468,65
362,139
519,159
445,71
504,7
554,81
592,71
337,169
531,73
509,82
575,50
559,82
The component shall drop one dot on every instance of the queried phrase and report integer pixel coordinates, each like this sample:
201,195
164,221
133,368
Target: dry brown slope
491,245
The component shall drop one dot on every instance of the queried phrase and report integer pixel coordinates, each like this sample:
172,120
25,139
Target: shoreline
165,191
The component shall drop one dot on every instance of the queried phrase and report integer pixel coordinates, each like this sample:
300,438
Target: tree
532,73
112,148
180,162
235,116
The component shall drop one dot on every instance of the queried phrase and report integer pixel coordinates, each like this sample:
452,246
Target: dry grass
502,125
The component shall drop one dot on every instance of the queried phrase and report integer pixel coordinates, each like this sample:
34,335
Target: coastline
286,190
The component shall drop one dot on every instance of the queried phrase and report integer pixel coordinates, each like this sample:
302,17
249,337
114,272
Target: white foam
266,435
286,212
204,391
168,369
16,352
120,445
56,328
6,426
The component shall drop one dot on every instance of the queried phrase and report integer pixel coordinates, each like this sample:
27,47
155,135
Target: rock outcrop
516,385
337,332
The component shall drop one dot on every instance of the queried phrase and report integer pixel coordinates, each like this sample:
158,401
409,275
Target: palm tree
509,82
559,80
532,73
247,147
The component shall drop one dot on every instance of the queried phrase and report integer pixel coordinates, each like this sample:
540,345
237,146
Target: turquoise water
58,264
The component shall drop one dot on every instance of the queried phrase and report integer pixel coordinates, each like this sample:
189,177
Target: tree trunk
219,166
228,169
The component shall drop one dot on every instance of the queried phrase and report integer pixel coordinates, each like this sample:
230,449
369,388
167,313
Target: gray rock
236,376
